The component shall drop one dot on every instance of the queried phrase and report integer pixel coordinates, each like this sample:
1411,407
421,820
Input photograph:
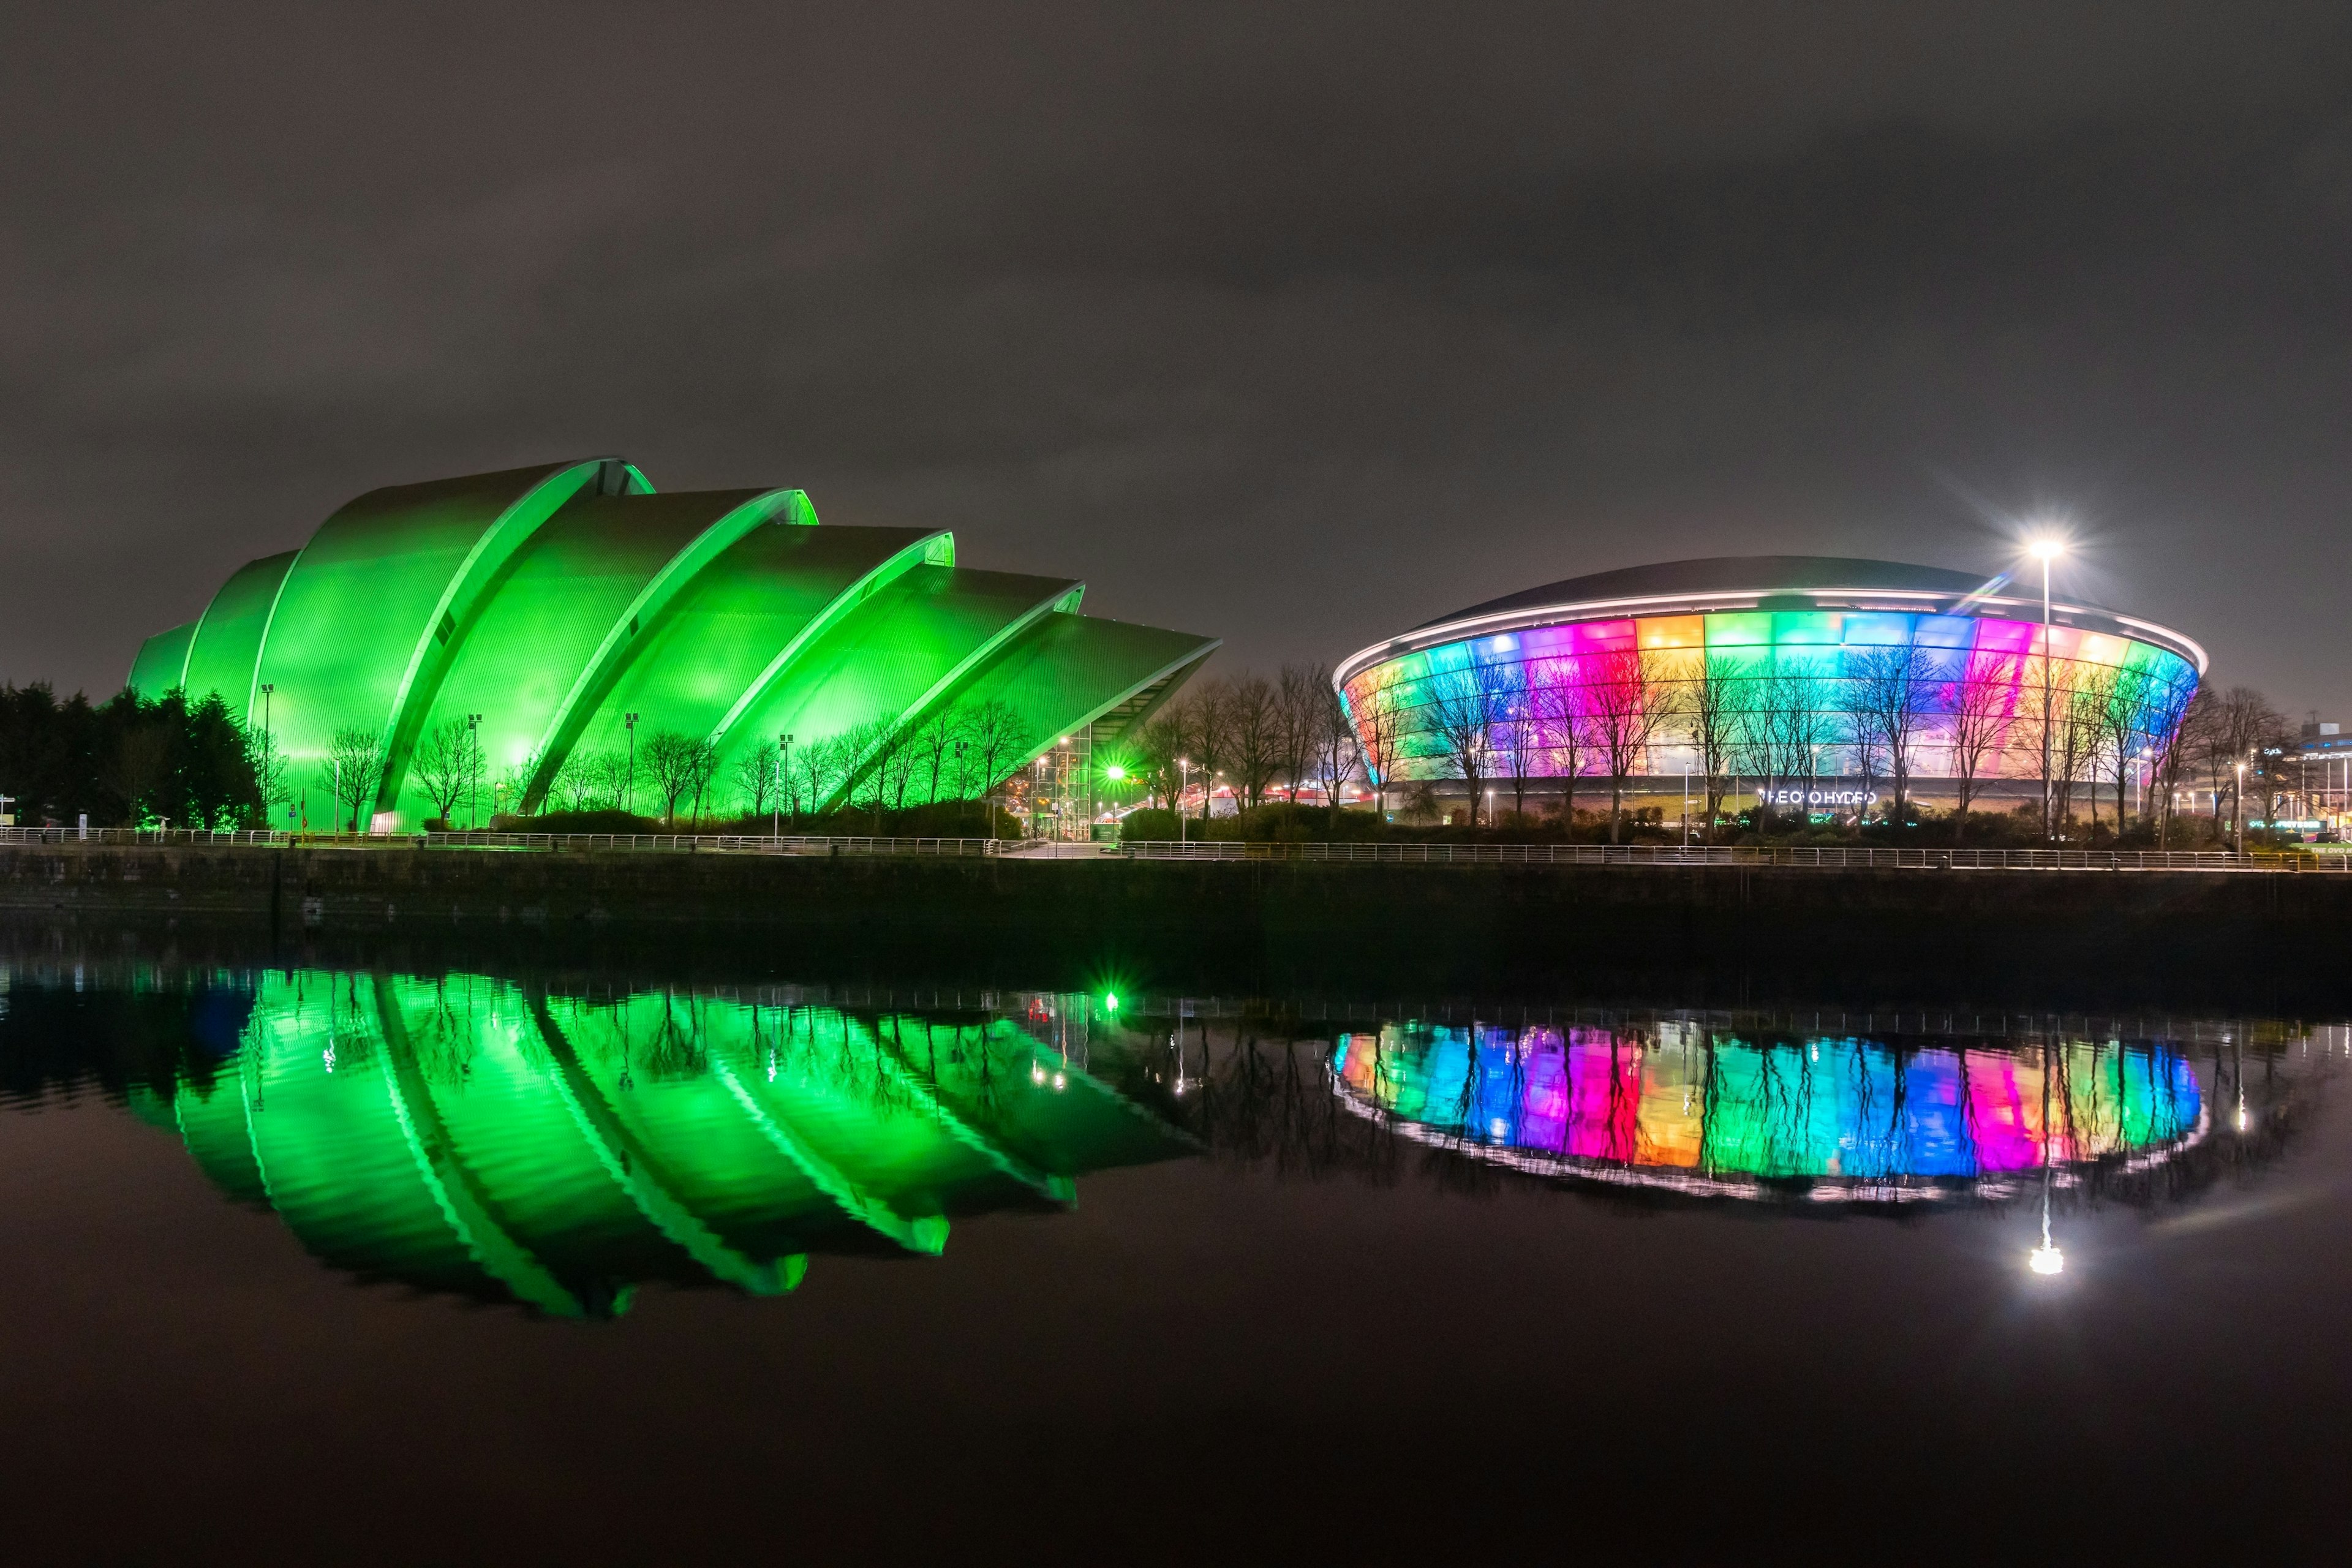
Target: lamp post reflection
2046,1258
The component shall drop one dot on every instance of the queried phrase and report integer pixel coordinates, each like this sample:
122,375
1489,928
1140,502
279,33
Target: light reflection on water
467,1134
1678,1104
557,1148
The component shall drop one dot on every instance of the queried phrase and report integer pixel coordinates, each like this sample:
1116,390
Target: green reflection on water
467,1134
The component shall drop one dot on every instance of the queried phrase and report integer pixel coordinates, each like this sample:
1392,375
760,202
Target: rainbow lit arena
560,614
1680,1106
1781,672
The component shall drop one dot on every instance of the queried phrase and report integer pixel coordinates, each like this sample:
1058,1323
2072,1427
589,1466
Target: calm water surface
371,1264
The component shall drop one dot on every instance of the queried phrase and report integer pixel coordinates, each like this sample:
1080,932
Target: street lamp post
1184,788
2046,551
2238,807
473,771
629,778
784,760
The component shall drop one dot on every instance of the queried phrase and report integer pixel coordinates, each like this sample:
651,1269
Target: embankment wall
2274,939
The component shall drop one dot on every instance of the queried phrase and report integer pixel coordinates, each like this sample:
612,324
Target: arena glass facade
555,600
1777,663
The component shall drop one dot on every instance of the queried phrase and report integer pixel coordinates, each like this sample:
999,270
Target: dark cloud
1295,325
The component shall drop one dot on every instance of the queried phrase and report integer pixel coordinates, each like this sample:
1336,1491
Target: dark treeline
127,762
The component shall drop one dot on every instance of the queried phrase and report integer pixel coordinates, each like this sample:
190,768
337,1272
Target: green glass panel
1806,627
1746,630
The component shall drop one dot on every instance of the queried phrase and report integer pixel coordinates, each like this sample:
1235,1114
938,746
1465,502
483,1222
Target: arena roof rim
1733,600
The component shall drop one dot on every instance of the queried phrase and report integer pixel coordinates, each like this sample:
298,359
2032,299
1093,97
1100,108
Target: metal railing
545,843
1830,858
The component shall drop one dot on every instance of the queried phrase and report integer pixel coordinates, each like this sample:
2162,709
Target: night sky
1295,325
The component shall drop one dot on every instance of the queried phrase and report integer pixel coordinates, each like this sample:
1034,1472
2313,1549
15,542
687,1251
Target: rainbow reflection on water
1676,1104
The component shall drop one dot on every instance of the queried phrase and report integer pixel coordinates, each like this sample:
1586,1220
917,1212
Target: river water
376,1264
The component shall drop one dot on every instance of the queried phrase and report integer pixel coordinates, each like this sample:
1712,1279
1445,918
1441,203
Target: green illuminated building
554,601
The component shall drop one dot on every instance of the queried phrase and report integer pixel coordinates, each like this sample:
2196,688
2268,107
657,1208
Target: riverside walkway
1822,858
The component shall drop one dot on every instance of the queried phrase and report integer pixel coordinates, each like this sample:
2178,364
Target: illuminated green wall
552,601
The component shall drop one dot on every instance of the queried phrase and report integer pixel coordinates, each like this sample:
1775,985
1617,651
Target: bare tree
1706,707
1301,694
1461,711
996,739
756,775
1338,751
1977,701
1376,704
1257,736
2186,740
1791,723
1560,723
932,743
2134,708
898,765
1522,747
608,774
679,767
353,768
1208,720
443,764
1627,708
815,771
865,750
1160,752
2079,702
2241,721
513,786
1888,694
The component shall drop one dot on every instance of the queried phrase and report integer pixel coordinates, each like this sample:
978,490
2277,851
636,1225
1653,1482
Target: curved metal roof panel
1731,574
542,607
